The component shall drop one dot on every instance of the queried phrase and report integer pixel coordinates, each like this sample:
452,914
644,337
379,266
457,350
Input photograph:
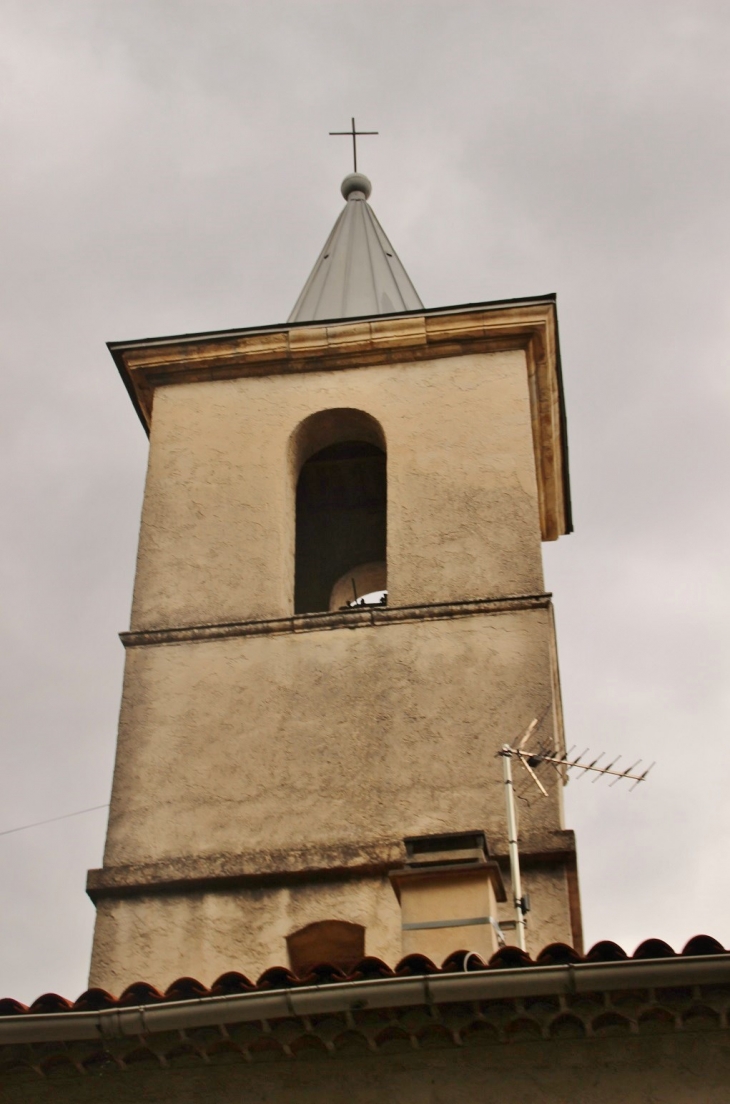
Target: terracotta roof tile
230,983
509,958
94,1000
51,1002
558,954
277,977
416,965
323,974
654,948
369,968
141,992
606,951
186,988
703,945
462,960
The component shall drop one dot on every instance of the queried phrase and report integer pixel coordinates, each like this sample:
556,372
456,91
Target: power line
65,816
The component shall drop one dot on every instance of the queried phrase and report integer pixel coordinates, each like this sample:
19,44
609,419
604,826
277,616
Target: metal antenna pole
563,764
514,855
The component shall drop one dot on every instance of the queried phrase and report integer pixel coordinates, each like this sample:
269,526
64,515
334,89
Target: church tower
339,618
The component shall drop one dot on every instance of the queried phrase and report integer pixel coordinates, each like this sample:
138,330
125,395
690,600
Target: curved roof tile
413,965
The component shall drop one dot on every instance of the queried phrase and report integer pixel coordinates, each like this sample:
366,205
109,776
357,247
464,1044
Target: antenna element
562,763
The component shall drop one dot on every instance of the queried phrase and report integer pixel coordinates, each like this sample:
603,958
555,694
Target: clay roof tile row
369,968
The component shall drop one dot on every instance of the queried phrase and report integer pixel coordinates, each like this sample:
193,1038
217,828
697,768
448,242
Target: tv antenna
563,764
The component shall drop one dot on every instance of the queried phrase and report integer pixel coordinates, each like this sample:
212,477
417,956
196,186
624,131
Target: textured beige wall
217,536
232,930
346,737
159,938
549,918
320,739
326,737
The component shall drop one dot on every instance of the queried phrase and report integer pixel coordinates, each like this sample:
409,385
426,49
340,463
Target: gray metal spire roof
357,272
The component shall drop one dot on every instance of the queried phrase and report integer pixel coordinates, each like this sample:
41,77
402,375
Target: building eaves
279,995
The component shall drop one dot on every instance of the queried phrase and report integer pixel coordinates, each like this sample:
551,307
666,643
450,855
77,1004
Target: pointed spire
358,271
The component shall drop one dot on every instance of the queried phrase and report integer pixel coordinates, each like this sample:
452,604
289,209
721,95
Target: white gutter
353,996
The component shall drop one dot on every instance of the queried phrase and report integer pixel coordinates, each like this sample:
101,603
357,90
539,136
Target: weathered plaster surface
217,534
232,930
246,929
549,918
264,740
335,740
326,738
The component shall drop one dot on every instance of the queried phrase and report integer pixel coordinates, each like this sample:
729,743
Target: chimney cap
446,847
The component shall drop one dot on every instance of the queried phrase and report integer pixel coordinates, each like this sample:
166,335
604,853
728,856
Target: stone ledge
259,869
221,354
357,618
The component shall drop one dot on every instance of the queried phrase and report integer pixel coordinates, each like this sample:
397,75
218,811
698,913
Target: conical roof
358,271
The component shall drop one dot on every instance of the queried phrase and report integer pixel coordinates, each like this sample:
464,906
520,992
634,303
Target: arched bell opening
341,510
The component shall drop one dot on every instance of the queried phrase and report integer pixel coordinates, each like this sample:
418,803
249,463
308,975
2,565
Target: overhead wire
36,824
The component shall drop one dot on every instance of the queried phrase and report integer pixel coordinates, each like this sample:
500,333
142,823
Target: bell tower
339,618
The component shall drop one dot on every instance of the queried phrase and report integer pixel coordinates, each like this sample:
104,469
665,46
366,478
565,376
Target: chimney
448,891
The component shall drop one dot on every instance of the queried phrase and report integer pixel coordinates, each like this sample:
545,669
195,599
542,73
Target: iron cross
354,134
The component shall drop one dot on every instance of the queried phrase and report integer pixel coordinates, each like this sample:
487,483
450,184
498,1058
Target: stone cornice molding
261,868
356,618
526,324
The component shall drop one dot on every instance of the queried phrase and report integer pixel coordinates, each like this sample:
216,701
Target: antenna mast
514,855
529,761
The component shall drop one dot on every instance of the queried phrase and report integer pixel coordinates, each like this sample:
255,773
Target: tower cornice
356,617
518,324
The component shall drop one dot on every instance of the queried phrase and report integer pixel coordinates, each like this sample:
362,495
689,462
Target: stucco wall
327,737
241,930
162,937
266,742
217,537
332,739
549,918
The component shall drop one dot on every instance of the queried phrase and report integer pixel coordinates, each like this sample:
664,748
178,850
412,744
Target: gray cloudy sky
166,168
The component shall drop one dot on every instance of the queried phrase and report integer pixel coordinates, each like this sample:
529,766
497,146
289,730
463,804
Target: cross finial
354,134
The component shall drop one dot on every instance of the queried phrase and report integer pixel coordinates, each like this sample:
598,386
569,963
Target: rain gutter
354,996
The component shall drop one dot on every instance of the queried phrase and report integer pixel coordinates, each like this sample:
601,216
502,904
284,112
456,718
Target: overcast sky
166,168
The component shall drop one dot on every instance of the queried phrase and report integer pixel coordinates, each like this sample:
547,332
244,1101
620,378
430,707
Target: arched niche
336,942
339,462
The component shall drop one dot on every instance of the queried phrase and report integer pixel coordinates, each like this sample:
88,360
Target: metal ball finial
356,182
